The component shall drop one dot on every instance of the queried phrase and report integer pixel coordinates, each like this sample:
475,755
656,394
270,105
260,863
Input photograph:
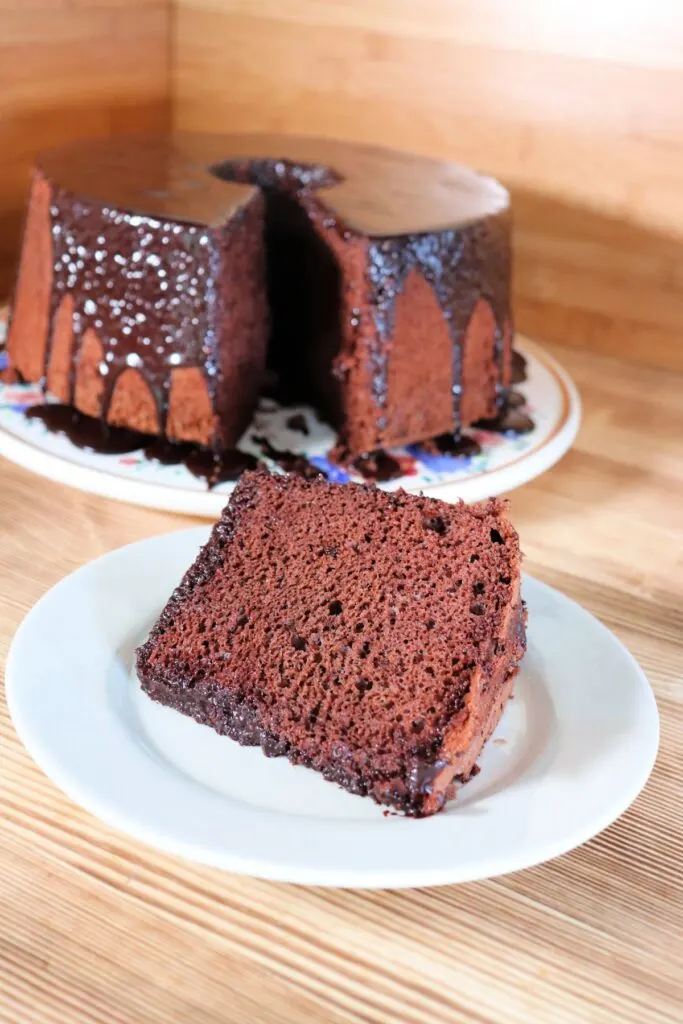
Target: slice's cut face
371,636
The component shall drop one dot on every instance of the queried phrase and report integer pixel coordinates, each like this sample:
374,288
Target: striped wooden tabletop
98,929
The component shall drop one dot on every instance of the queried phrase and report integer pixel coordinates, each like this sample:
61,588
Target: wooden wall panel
577,106
69,69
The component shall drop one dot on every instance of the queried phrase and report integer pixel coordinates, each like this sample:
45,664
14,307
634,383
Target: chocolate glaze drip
461,266
95,435
87,432
145,286
519,374
423,775
289,461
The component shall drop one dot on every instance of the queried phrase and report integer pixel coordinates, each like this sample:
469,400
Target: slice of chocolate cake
372,636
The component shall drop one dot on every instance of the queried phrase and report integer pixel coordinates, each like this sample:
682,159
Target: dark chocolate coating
145,286
462,266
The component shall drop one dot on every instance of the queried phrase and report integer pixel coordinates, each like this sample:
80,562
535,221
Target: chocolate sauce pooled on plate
95,435
459,446
519,374
289,461
515,399
510,420
378,466
87,432
216,467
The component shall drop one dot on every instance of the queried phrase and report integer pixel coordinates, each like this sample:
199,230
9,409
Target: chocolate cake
161,275
372,636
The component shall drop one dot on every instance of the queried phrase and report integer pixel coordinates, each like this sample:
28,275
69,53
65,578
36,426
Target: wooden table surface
97,928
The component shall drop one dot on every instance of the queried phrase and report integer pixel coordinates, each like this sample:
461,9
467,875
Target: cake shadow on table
165,279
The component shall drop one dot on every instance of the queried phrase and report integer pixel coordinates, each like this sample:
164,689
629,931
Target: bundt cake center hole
304,283
276,173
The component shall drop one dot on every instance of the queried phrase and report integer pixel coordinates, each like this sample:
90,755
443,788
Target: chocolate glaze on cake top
203,178
165,177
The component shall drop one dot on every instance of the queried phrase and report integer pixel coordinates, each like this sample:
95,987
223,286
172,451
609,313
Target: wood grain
95,927
70,69
578,107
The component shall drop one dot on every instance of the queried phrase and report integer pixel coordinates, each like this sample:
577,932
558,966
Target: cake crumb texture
372,636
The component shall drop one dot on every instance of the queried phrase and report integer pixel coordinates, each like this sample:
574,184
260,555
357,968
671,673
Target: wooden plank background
71,68
577,104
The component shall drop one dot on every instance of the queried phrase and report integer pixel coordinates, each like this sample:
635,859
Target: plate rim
208,504
272,869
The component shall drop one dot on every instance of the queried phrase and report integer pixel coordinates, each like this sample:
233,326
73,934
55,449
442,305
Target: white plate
573,749
504,463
